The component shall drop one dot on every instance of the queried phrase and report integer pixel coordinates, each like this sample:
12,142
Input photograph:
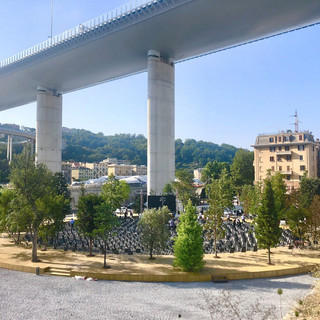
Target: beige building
127,170
99,169
197,173
81,174
291,153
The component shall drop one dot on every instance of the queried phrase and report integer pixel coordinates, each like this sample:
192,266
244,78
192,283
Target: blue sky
227,97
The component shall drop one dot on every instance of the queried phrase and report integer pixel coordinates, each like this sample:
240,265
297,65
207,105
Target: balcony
286,172
283,153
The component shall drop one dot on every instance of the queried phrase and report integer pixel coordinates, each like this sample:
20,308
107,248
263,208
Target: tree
115,192
54,208
213,170
242,170
184,188
279,192
251,198
32,186
297,216
105,222
188,246
87,211
314,217
309,188
4,171
267,229
219,194
6,197
154,228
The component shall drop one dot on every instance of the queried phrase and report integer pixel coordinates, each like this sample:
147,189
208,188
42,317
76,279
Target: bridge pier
161,118
9,148
49,128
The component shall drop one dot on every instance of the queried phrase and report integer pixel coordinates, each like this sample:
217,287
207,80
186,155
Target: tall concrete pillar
10,157
161,118
49,128
8,148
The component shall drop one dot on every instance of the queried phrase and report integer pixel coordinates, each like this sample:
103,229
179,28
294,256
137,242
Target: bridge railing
82,28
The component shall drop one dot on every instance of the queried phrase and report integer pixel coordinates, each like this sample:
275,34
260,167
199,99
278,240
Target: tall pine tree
188,247
267,230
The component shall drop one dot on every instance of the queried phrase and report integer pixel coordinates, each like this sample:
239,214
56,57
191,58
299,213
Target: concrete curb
206,276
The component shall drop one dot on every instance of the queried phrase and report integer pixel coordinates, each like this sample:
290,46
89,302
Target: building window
279,148
272,149
278,158
301,157
288,177
272,168
272,159
287,148
279,139
302,168
301,148
271,139
313,149
280,168
288,157
300,137
286,138
288,168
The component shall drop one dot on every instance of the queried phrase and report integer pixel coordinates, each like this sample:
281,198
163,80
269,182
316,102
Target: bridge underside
178,29
153,39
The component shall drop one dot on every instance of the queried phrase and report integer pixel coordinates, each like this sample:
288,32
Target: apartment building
99,169
81,174
291,153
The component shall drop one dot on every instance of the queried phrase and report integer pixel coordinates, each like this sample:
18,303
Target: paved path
27,296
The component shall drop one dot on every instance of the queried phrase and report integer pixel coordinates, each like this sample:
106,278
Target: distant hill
85,146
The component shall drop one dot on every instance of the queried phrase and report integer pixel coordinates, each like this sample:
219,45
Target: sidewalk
233,266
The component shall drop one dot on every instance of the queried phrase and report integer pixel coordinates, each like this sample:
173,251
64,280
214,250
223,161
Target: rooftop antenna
296,122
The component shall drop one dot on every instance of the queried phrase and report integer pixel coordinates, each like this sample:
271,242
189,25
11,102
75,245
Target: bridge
140,36
18,133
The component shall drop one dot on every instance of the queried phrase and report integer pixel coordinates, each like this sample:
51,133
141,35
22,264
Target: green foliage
36,202
105,221
267,229
87,210
4,171
314,218
297,216
54,208
6,197
309,188
195,154
154,228
188,246
168,189
85,146
242,170
250,196
213,170
219,194
184,188
115,192
279,192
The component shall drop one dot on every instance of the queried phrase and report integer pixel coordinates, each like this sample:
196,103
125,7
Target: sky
226,97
